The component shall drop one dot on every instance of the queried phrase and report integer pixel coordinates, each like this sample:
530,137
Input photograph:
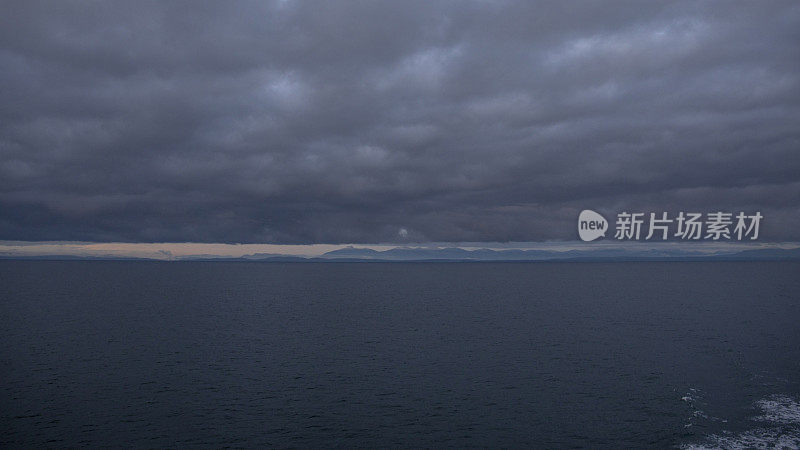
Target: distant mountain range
454,254
459,254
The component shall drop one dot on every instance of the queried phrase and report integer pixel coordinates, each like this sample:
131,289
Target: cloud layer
329,122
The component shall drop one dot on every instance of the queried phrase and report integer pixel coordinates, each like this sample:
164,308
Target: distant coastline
459,255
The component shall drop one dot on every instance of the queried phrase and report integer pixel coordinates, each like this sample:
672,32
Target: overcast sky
365,122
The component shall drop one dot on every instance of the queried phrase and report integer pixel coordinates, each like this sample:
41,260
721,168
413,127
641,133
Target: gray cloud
304,122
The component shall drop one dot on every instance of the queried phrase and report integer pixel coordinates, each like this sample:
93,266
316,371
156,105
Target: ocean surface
591,355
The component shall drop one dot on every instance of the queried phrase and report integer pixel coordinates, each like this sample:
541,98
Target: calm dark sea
151,354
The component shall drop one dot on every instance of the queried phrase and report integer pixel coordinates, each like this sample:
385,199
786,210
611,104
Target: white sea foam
782,415
755,438
779,409
694,400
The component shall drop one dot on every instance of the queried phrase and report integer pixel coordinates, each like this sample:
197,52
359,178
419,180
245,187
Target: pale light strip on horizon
171,250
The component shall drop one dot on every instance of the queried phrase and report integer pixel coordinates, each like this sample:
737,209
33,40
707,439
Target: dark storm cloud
295,122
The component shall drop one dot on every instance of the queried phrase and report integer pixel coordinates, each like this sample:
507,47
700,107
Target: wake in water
780,419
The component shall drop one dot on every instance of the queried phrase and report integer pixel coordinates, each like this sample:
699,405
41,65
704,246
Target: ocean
298,355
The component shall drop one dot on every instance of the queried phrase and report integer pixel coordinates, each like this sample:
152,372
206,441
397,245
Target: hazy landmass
454,254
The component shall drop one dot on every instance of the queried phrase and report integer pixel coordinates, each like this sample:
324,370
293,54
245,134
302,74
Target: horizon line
195,250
